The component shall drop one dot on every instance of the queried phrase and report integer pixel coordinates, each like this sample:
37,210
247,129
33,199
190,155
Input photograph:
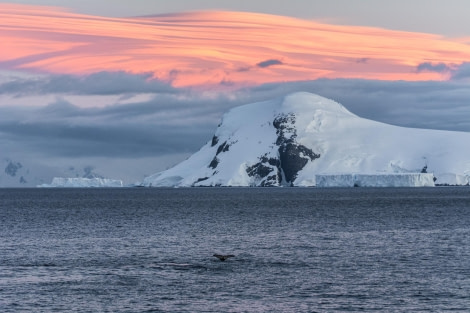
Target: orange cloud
207,48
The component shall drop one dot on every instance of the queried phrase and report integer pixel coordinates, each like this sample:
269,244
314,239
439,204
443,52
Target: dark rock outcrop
274,171
215,161
293,159
223,148
292,155
200,180
215,140
267,170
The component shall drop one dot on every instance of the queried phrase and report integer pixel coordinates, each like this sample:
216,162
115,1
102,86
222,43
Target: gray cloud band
180,121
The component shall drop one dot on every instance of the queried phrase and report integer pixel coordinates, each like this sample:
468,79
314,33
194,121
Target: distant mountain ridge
289,140
13,173
19,173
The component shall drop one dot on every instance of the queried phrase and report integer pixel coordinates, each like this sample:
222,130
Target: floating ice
82,182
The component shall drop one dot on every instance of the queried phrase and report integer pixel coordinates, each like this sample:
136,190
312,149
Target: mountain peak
304,101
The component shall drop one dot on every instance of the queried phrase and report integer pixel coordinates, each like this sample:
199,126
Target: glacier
80,182
289,140
451,179
375,180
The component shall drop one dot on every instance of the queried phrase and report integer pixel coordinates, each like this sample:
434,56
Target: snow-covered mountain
287,141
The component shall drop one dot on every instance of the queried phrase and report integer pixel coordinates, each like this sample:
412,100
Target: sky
132,88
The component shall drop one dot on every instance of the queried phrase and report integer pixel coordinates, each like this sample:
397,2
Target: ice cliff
82,182
375,180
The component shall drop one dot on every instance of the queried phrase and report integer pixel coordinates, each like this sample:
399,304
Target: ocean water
296,250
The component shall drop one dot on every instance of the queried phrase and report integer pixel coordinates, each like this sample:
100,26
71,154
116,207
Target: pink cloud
208,48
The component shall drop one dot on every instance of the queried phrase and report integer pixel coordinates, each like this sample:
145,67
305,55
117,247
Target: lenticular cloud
216,48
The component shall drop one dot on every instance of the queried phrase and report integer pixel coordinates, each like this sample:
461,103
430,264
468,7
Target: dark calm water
297,250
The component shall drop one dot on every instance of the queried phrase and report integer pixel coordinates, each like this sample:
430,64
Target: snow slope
287,141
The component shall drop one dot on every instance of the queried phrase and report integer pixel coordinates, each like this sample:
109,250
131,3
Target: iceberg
61,182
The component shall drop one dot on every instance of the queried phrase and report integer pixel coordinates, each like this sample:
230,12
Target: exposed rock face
214,141
214,163
289,156
293,156
267,171
223,148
